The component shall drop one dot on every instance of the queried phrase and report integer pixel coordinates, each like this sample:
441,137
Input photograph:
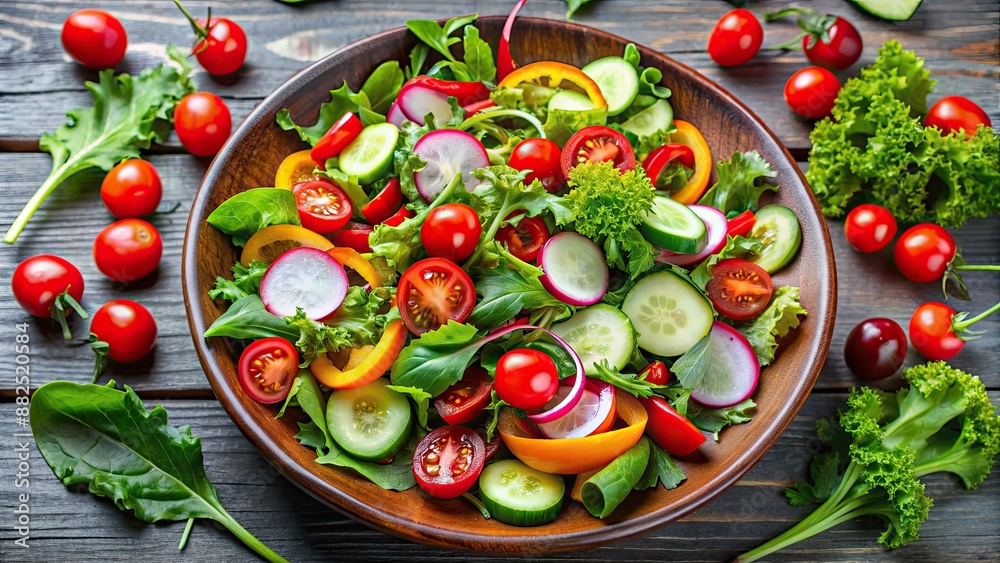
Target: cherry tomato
837,48
432,292
597,143
742,224
923,252
267,368
870,227
525,239
385,204
931,333
451,232
739,289
127,250
656,373
671,431
202,123
132,189
811,91
354,235
736,38
336,139
39,280
875,348
94,38
541,157
323,207
955,113
447,462
465,400
526,378
127,327
221,47
661,159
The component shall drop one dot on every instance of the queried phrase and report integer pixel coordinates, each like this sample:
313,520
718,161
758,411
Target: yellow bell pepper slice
552,74
362,368
297,167
689,135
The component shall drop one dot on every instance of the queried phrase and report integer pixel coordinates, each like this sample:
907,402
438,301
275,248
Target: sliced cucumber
778,227
618,80
369,155
369,423
599,332
519,495
570,100
656,117
889,9
673,226
669,313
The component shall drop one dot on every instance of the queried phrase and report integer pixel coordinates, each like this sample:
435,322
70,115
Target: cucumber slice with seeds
673,226
519,495
669,313
369,155
599,332
656,117
370,423
618,80
778,227
570,100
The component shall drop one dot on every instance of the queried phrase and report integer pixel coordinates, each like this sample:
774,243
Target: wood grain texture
73,525
959,45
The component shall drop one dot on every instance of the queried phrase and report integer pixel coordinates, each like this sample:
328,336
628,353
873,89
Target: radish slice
395,116
448,152
589,415
505,61
733,369
715,223
415,101
576,272
304,278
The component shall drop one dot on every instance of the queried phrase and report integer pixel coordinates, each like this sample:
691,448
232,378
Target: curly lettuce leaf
780,316
737,189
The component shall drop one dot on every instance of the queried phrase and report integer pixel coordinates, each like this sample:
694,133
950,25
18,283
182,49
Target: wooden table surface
39,84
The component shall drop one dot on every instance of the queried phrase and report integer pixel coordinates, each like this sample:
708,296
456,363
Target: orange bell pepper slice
350,258
362,368
575,455
270,242
297,167
689,135
552,75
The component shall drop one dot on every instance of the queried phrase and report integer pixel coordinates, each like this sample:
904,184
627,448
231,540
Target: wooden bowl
250,159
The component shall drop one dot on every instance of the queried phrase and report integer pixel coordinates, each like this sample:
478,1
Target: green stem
961,326
247,538
201,32
790,45
980,267
186,535
478,504
57,177
489,114
770,17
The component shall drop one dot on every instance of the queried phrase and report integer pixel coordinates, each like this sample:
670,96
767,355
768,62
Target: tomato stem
58,175
100,349
201,32
980,267
186,535
960,324
58,311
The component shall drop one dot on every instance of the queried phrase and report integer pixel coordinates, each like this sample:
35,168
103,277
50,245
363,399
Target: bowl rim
426,533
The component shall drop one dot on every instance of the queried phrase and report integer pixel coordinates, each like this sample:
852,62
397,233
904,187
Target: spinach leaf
396,476
507,289
247,319
661,469
607,488
437,359
438,37
623,381
248,212
478,56
421,400
343,100
382,86
418,56
105,438
572,6
246,280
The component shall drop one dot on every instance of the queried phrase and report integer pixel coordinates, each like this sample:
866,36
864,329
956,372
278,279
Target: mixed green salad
485,277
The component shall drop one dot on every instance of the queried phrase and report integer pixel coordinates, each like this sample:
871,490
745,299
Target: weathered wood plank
959,47
75,526
869,285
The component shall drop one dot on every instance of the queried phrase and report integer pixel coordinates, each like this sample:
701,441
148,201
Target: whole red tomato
811,91
923,252
127,250
931,332
202,122
870,227
955,113
94,38
541,157
132,189
223,48
736,38
841,50
40,280
526,378
451,232
127,327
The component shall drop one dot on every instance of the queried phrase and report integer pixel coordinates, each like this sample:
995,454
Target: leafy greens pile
874,147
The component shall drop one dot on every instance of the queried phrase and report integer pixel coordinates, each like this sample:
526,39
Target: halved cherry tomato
570,456
687,134
350,258
742,224
671,431
365,364
541,157
270,242
526,378
465,93
336,139
739,289
354,235
432,292
474,108
267,368
296,168
492,446
451,232
465,400
661,158
923,252
597,143
402,214
385,204
656,373
551,74
323,207
870,227
956,113
447,462
525,239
